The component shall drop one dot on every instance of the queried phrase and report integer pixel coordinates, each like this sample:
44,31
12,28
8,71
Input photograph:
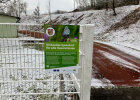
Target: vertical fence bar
86,74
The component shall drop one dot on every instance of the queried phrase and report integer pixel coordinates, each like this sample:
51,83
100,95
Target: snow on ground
101,18
126,49
98,83
120,61
126,37
136,53
14,55
22,69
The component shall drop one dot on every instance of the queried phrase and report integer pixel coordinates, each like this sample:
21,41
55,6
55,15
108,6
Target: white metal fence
22,72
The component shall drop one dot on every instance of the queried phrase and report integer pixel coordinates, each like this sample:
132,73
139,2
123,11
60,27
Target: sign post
86,66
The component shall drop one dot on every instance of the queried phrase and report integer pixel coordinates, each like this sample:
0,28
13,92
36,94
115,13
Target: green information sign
61,47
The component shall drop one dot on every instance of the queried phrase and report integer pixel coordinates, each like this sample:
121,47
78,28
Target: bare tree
136,2
113,7
92,3
4,1
83,3
49,11
107,5
3,5
17,7
22,8
25,8
37,14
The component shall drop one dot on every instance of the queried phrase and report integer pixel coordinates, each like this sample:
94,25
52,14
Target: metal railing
22,72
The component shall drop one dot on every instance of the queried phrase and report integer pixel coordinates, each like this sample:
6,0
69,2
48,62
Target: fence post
86,74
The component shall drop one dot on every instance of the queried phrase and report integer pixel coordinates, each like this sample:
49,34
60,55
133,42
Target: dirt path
116,71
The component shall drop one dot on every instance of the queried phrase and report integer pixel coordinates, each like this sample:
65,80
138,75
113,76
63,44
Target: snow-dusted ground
129,37
103,82
101,18
126,49
22,71
121,61
19,64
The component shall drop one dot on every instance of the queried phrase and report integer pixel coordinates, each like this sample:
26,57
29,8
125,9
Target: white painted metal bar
39,93
87,49
39,81
80,53
21,24
18,54
76,83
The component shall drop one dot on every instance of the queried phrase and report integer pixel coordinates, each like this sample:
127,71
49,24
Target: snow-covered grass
127,37
103,20
22,70
19,64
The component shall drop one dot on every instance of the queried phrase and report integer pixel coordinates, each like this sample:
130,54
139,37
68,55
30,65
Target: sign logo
50,31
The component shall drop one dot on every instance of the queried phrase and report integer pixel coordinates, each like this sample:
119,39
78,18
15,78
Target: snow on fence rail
22,72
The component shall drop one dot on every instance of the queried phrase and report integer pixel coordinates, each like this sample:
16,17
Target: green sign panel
61,46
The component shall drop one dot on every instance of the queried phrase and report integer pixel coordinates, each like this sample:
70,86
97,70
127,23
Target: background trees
113,7
4,1
104,4
13,7
101,4
17,7
3,5
37,14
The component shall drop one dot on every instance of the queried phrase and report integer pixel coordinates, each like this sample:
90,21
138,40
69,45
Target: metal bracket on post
86,74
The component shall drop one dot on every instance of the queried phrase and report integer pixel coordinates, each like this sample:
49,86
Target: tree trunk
106,4
92,4
136,2
113,6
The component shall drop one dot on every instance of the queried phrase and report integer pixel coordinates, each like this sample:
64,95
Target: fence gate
22,72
